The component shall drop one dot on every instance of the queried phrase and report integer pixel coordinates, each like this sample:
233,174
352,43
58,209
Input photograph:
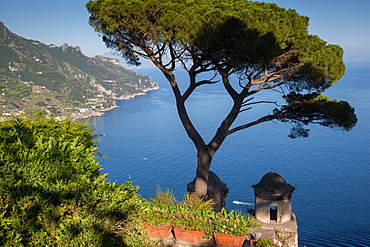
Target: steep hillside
61,80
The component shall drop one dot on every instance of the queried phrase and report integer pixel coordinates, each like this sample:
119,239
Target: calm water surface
146,144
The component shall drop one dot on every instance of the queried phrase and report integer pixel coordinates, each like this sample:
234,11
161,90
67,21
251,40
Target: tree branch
203,82
267,118
259,102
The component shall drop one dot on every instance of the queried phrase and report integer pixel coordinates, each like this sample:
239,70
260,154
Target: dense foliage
229,35
52,191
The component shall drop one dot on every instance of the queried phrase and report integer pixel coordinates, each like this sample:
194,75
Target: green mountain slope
61,80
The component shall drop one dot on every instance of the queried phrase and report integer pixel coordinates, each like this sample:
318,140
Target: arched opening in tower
273,212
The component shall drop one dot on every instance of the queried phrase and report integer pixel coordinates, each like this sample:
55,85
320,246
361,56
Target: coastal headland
61,80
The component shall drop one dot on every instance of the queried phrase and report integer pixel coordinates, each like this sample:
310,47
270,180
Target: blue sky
342,22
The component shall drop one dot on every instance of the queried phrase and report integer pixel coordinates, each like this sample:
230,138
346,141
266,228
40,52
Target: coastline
81,112
100,113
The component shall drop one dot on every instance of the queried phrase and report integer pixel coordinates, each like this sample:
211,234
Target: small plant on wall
263,242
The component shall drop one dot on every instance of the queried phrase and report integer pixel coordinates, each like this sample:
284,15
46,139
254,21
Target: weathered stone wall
262,210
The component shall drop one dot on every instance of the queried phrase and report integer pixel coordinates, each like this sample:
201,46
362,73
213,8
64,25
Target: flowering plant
232,223
155,215
185,218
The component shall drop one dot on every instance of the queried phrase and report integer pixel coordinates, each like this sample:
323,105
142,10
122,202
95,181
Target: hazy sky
343,22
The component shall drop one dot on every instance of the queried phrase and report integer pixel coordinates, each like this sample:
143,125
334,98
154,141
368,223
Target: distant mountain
61,80
145,64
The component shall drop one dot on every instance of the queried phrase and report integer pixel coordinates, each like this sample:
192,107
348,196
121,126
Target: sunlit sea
146,144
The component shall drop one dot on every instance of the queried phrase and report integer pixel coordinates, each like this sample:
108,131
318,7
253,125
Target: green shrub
52,191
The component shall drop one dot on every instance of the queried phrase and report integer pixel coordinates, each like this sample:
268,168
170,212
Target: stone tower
273,209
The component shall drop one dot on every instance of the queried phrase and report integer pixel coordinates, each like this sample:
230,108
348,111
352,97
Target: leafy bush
52,191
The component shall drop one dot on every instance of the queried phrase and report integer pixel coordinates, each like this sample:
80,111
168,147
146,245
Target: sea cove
146,144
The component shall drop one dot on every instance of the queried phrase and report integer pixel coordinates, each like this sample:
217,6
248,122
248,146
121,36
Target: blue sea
146,144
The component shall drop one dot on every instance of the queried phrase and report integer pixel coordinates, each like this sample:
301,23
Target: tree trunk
205,152
202,174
